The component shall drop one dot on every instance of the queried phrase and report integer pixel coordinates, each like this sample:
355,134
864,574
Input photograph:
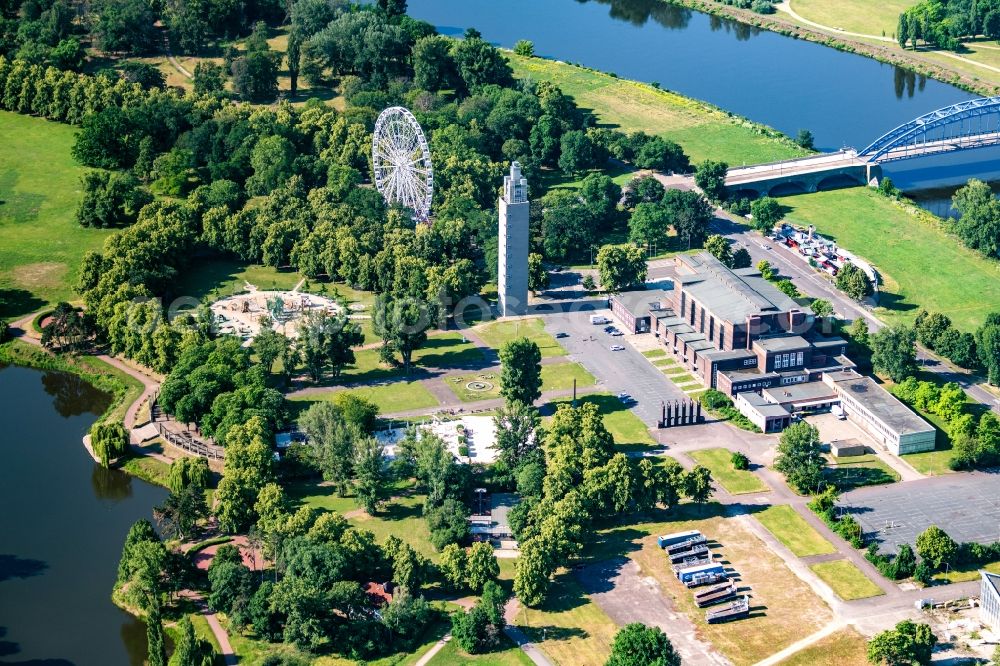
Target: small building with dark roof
635,309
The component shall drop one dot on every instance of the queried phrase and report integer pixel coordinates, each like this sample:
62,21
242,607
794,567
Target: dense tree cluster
854,282
979,222
947,23
907,643
578,479
935,332
975,438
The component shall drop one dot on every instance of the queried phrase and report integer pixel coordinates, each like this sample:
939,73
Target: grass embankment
41,245
794,532
703,130
735,481
861,16
846,580
846,646
923,266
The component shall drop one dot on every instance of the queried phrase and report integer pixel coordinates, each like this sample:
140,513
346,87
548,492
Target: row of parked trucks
692,563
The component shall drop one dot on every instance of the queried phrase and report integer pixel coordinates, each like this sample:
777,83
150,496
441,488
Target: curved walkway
221,636
786,6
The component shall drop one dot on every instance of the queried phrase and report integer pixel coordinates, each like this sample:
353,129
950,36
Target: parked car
561,334
617,348
616,333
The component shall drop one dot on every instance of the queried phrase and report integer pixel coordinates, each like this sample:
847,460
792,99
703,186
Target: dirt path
221,636
797,646
515,634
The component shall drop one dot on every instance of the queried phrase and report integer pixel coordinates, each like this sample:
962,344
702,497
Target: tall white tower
512,270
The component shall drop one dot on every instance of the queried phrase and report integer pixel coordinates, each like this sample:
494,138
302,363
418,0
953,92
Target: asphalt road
617,371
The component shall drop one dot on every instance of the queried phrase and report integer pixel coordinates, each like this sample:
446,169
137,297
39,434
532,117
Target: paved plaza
966,506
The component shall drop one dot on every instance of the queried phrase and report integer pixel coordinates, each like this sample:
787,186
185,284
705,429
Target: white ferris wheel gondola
401,161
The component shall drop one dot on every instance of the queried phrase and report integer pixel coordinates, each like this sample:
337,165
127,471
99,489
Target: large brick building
737,332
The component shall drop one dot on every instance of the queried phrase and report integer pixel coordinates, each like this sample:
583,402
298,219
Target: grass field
402,515
399,396
846,646
856,471
782,608
964,573
923,266
496,333
735,481
41,244
654,353
560,376
792,530
702,130
861,16
576,632
846,580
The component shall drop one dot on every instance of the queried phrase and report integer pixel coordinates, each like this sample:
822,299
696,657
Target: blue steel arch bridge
967,125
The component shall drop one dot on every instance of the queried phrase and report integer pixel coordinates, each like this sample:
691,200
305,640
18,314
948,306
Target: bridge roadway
797,166
941,146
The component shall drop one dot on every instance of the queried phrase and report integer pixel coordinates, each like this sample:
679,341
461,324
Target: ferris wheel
401,160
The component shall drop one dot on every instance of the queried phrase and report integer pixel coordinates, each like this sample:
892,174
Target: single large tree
371,474
402,324
520,371
908,644
710,176
936,547
799,457
636,644
621,266
766,213
516,424
332,438
988,346
894,352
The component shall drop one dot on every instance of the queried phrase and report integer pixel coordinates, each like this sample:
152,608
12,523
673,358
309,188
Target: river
790,84
62,527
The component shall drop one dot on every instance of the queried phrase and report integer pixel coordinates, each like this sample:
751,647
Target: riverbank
785,24
704,131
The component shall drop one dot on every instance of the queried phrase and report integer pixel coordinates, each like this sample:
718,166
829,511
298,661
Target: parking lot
617,371
966,506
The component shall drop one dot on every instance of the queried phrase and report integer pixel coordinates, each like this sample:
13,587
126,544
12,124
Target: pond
62,527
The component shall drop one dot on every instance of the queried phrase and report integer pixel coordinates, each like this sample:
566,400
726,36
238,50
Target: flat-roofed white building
989,600
890,423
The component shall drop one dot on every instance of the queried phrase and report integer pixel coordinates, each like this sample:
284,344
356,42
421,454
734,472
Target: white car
616,333
617,348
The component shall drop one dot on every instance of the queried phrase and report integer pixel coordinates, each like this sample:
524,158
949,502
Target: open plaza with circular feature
241,315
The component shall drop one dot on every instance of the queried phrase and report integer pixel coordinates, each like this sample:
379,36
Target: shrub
740,461
463,450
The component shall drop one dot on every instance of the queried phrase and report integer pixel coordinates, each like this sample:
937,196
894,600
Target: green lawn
735,481
792,530
41,244
399,396
923,266
701,129
654,353
448,350
459,386
560,376
663,363
628,429
964,573
856,471
402,515
861,16
496,333
847,581
576,630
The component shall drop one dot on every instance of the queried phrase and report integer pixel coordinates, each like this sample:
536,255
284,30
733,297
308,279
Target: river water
62,525
790,84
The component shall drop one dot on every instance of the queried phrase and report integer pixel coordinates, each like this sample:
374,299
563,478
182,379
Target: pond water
62,526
